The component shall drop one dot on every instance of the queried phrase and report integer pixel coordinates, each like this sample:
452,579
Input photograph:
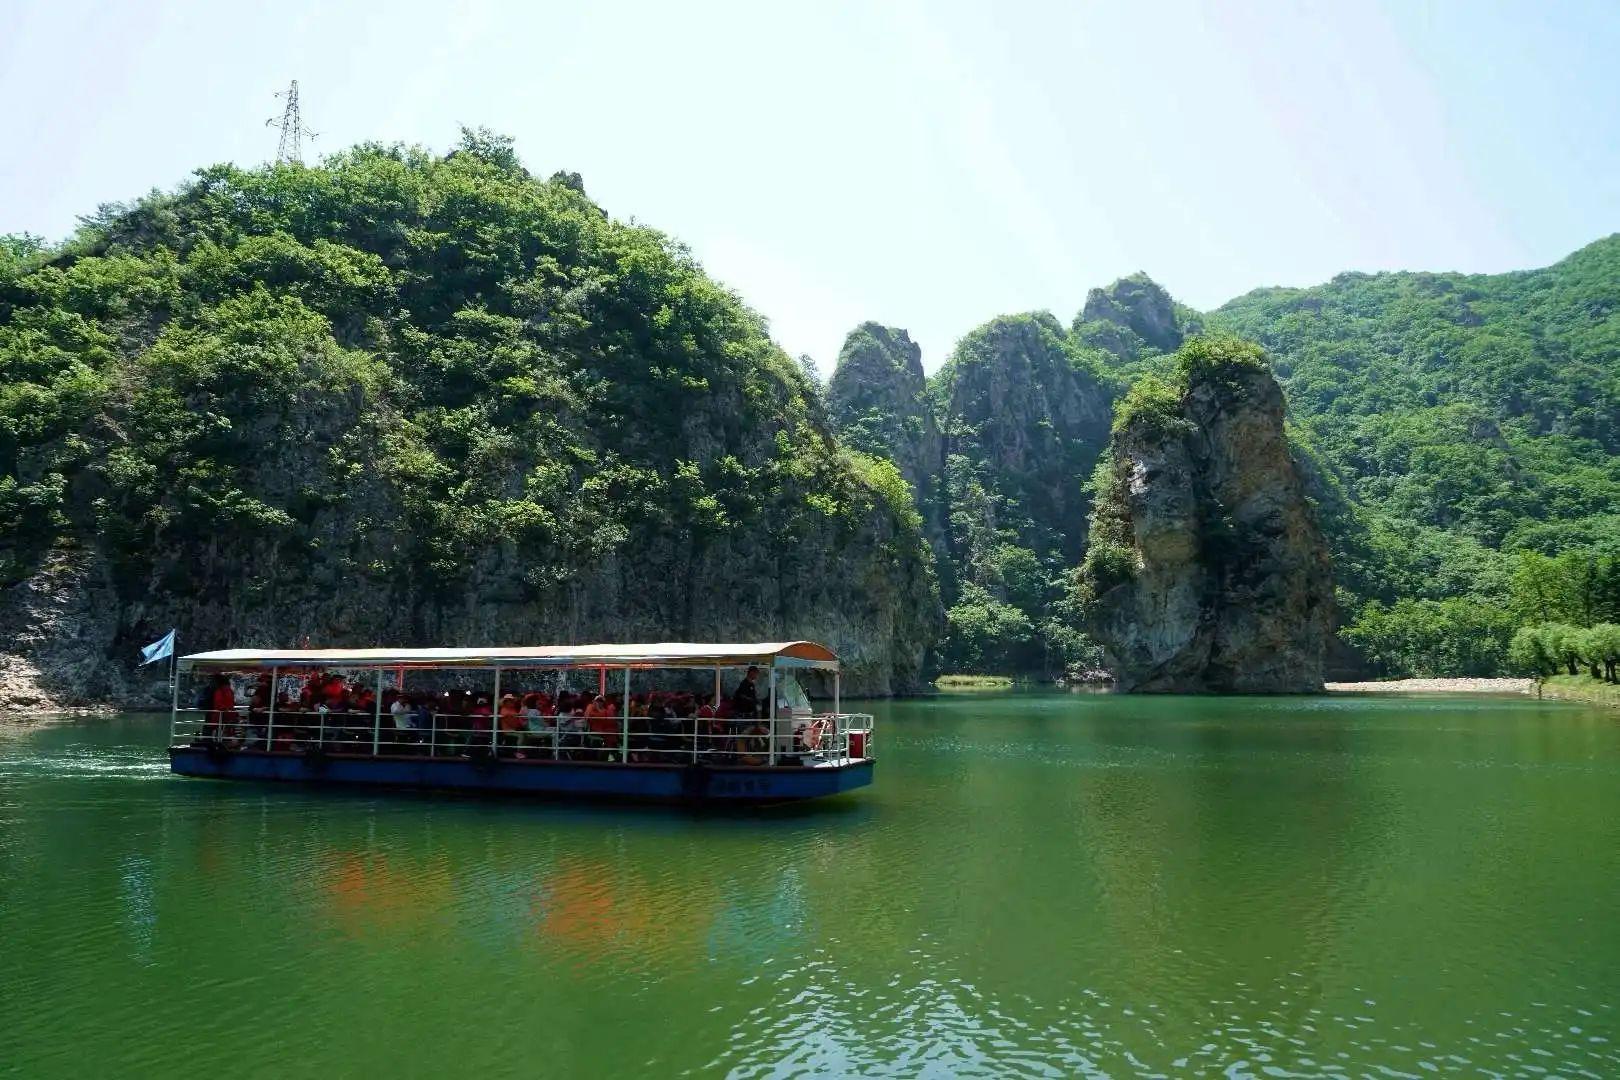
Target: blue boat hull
665,783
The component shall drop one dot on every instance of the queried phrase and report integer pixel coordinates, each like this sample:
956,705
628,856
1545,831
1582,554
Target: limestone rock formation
1024,418
1207,571
1141,304
345,404
877,402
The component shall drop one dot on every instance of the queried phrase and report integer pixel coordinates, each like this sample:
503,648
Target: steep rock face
1137,305
416,415
877,402
1024,419
1140,304
1207,570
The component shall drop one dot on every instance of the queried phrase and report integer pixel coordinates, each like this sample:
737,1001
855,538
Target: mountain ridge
1450,425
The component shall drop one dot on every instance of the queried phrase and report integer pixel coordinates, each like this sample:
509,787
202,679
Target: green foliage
382,367
1220,358
1528,654
1433,637
1546,649
1578,587
1458,425
1600,649
1152,408
983,633
1023,412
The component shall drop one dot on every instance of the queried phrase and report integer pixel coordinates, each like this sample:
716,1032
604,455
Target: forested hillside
1467,433
406,397
1460,433
403,398
1022,408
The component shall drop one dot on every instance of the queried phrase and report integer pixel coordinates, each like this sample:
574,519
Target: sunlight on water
1043,885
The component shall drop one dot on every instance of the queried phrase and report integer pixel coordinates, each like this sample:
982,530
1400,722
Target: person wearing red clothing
222,701
482,714
603,722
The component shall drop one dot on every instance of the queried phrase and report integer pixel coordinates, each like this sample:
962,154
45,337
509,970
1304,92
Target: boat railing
822,739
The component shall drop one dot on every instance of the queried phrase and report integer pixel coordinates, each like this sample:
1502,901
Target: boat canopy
664,654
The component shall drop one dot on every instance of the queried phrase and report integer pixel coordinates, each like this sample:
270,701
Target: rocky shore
1436,686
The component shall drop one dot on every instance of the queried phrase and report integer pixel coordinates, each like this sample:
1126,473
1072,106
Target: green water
1045,885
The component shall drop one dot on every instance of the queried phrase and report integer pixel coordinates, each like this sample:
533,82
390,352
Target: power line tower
290,149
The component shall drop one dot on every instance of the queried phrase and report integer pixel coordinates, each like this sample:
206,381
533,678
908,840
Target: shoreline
1434,686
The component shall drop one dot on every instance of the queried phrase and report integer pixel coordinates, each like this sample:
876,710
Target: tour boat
285,730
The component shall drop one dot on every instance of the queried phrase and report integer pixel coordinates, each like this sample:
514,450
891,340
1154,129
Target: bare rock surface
1207,570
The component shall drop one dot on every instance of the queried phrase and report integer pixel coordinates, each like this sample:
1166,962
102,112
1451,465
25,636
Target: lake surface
1043,884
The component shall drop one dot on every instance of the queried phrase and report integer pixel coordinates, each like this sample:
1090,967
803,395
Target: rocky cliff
877,402
1207,570
400,399
1026,415
1134,318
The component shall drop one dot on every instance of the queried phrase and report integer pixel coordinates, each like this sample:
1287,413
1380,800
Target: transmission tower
290,149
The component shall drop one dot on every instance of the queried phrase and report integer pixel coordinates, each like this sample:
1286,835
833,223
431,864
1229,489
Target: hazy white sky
928,165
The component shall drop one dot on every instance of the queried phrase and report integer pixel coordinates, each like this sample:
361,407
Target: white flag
160,649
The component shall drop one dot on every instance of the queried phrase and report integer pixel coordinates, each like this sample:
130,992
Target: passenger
604,724
644,742
753,742
444,719
532,723
570,726
745,699
286,737
509,717
642,728
421,720
399,712
222,700
601,715
668,730
482,716
529,709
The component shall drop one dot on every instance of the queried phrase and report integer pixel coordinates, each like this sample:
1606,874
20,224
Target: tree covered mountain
408,398
1467,432
405,397
1461,436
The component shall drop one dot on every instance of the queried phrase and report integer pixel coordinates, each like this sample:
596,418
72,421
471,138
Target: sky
925,165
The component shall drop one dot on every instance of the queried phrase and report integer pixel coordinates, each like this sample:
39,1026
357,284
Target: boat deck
655,781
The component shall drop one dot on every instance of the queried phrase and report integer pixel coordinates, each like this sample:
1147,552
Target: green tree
402,376
1563,644
1454,637
984,635
1528,653
1600,648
